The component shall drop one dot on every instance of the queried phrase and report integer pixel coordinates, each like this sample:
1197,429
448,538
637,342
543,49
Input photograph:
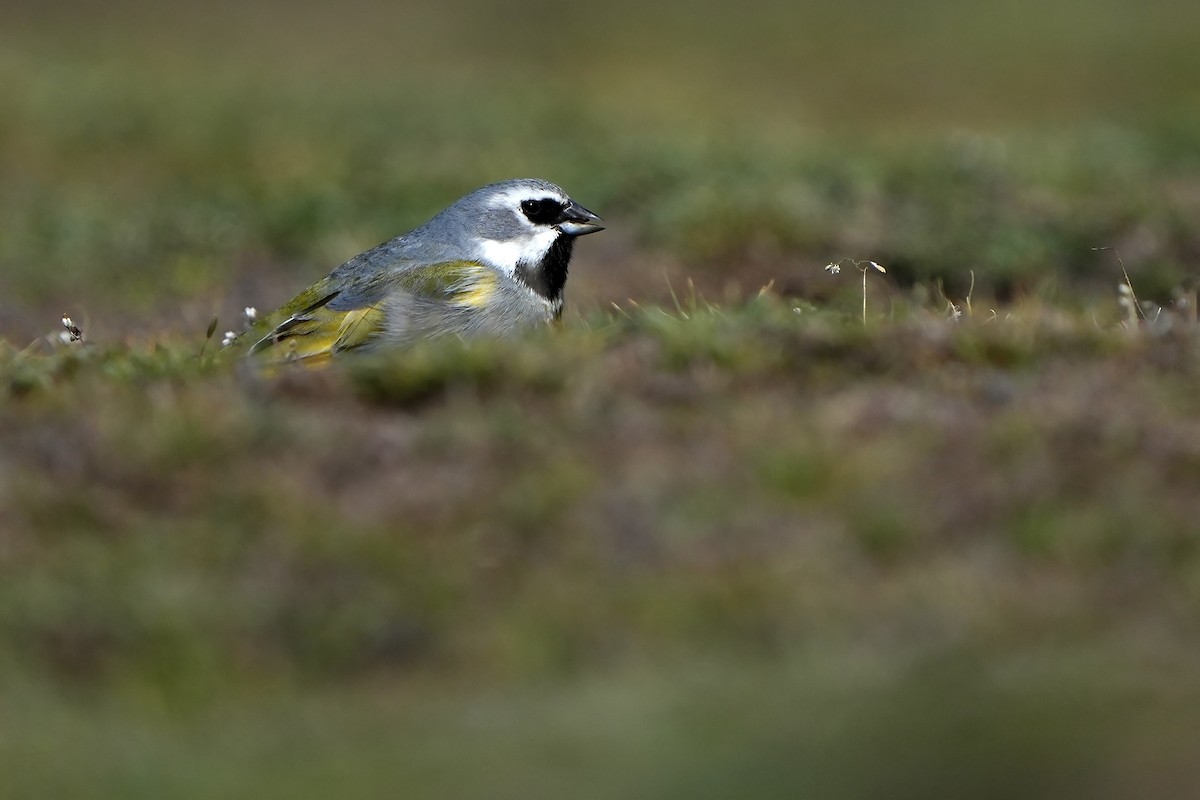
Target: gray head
525,227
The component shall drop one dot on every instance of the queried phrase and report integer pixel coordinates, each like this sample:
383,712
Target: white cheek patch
504,255
530,249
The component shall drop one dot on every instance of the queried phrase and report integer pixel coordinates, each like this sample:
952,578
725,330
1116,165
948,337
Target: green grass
858,726
664,553
165,172
713,542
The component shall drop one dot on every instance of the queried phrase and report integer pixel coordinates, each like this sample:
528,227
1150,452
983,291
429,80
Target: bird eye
541,212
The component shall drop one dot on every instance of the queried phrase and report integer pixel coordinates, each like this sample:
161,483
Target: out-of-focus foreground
715,542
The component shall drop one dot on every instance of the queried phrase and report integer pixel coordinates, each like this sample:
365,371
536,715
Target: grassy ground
718,541
668,554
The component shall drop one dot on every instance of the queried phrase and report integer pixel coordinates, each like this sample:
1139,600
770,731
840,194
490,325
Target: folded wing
341,313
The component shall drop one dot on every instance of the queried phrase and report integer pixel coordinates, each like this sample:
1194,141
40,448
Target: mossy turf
657,551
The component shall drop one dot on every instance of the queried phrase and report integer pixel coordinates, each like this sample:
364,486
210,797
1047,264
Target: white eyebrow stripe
513,197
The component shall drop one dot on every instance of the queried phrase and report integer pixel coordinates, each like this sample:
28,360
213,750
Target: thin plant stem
864,309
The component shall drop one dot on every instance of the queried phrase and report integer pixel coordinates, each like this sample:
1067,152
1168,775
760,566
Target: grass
929,531
798,533
140,186
692,729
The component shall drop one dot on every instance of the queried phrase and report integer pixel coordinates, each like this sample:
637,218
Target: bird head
524,227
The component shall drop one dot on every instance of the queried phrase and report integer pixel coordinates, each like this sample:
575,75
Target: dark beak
577,220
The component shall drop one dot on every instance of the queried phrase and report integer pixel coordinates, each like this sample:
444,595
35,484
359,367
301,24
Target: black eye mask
542,212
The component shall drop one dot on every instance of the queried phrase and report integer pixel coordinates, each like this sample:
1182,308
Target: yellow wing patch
478,287
308,331
465,284
357,326
314,337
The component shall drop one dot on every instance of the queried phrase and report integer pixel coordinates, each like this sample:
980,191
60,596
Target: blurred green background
704,546
162,161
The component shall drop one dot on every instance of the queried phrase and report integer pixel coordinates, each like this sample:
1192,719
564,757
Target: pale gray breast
410,319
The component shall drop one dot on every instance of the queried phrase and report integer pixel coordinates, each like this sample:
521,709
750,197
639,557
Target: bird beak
577,220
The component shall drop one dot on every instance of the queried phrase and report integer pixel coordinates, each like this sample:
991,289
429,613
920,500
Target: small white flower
73,333
833,269
229,338
877,266
251,313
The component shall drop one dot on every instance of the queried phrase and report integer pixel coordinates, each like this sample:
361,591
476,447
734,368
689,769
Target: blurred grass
679,549
155,160
668,554
836,727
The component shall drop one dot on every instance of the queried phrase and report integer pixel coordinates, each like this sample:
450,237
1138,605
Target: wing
343,312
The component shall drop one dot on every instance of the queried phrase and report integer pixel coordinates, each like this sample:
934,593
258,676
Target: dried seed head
73,333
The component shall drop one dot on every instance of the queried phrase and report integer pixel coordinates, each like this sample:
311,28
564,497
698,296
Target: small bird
492,263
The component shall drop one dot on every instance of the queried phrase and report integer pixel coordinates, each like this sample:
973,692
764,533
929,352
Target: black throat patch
548,276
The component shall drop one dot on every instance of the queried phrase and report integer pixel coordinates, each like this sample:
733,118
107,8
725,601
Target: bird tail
307,331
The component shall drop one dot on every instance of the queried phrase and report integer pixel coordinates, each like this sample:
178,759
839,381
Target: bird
492,263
